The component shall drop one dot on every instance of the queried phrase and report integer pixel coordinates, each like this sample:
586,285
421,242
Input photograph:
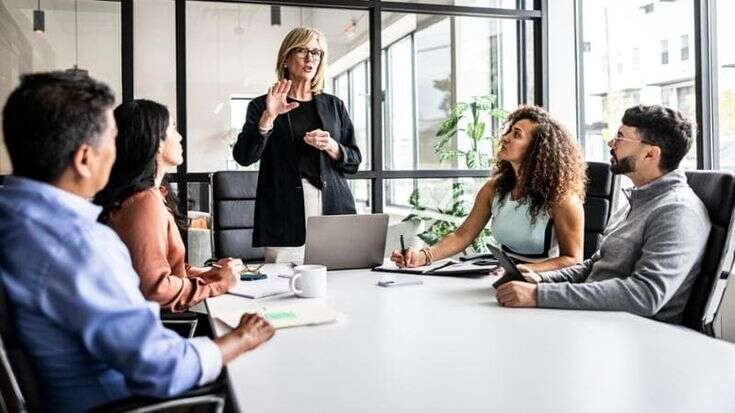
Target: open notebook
442,267
287,315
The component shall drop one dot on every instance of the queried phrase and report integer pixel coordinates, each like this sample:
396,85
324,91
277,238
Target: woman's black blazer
279,204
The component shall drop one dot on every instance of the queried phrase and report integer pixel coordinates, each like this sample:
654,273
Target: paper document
261,288
443,267
289,315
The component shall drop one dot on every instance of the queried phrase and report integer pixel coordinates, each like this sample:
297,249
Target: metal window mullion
414,104
376,103
454,10
541,54
127,47
706,84
453,76
579,74
181,120
521,61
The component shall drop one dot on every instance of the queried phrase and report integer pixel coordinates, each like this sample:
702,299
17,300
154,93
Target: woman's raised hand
276,103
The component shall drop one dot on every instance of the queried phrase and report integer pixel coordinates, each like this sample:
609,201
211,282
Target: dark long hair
141,127
552,168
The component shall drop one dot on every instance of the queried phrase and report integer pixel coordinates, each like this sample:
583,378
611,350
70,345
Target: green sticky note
280,315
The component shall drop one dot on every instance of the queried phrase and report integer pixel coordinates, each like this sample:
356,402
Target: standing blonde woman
305,143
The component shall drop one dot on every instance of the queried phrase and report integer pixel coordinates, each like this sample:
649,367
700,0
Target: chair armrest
714,301
214,394
173,320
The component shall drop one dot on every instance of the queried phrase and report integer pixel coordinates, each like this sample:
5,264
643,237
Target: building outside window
684,47
650,78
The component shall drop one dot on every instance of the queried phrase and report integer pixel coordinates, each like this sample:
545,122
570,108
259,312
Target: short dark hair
664,127
48,117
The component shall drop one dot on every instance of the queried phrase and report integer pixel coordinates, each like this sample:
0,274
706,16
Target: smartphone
511,271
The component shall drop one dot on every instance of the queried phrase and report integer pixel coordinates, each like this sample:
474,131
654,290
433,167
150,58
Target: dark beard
622,166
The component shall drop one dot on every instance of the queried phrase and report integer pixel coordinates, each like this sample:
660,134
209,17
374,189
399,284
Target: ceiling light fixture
39,20
275,15
76,70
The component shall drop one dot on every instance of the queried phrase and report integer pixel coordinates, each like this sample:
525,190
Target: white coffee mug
312,281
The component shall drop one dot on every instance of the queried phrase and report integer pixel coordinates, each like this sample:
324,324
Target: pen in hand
403,251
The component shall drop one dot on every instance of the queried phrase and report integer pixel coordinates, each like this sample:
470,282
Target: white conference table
448,346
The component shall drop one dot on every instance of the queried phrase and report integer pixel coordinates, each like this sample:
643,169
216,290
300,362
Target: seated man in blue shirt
74,295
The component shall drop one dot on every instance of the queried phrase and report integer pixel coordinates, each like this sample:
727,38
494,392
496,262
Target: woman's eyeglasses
302,52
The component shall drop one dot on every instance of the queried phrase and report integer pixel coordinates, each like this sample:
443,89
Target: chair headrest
599,179
234,184
716,189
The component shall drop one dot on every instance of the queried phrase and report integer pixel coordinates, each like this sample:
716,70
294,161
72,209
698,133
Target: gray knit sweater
650,253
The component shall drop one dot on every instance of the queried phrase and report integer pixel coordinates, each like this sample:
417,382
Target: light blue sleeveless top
512,230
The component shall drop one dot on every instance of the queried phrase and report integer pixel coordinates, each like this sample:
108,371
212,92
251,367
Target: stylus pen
403,249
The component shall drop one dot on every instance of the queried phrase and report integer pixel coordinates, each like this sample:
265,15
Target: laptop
346,241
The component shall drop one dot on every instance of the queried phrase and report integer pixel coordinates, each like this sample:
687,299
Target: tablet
511,272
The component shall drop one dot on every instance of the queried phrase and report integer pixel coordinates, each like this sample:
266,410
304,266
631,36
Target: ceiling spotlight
39,20
275,15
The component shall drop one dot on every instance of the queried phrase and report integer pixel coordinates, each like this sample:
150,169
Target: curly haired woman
534,196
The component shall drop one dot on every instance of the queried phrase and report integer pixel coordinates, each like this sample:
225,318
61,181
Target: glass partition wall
400,68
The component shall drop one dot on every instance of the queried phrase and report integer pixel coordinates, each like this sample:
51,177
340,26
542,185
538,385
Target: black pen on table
403,250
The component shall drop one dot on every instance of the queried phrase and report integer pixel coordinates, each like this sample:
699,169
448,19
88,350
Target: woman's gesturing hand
276,103
321,140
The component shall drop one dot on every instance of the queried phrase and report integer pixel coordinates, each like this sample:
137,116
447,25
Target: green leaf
448,127
415,200
469,159
478,131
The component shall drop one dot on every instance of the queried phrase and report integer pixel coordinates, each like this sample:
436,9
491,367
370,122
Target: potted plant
470,119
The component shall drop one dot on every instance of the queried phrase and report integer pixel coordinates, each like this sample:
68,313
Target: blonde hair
300,37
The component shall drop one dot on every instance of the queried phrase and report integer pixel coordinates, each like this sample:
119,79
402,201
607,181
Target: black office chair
233,211
601,187
716,189
20,391
184,323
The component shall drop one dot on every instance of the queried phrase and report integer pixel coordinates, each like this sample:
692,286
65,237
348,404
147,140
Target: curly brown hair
552,168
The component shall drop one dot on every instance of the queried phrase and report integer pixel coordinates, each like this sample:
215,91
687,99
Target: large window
624,67
726,82
88,37
439,62
430,64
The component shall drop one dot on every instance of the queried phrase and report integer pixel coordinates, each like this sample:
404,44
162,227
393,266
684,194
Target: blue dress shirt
79,314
